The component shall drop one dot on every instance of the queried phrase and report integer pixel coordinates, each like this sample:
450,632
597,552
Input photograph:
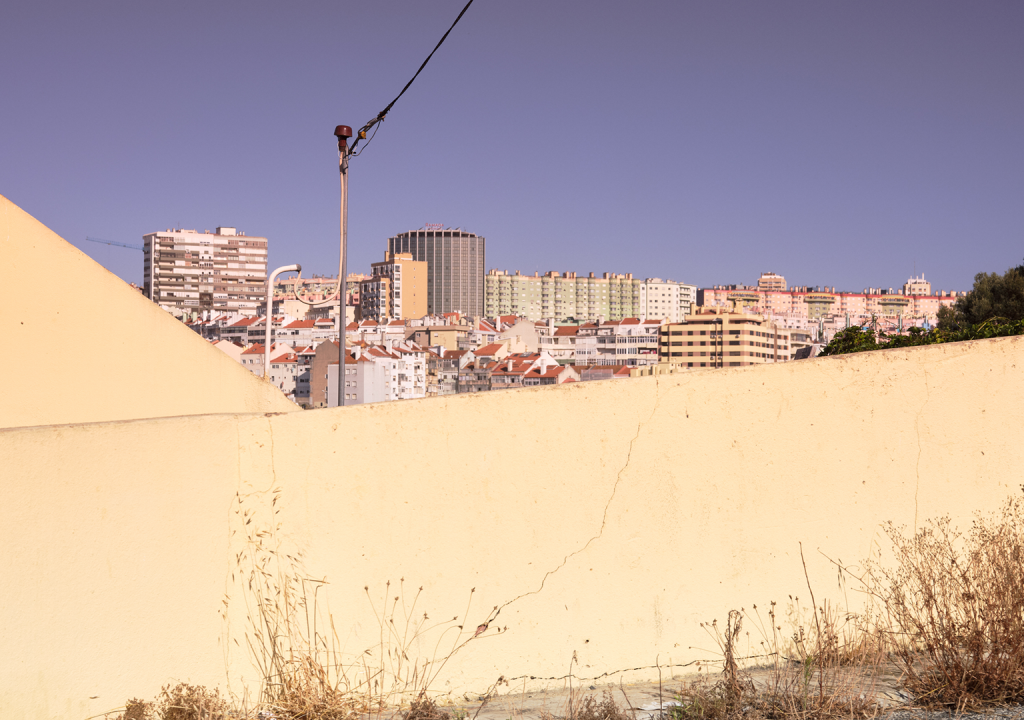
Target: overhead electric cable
361,135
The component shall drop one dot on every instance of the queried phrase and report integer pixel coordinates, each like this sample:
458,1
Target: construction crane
108,242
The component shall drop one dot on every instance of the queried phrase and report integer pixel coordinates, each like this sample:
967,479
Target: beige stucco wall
606,519
98,350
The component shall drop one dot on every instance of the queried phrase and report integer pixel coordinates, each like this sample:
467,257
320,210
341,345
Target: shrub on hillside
856,339
993,296
956,601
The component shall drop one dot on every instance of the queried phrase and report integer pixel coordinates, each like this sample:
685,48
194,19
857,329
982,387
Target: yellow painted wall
91,349
606,519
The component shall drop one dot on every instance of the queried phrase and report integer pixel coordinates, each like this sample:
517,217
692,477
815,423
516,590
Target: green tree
993,296
851,340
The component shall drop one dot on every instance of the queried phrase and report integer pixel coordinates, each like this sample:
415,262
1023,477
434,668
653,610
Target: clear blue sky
835,143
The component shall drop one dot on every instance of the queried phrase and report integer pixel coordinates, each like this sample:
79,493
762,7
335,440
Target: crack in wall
238,453
238,461
273,454
920,447
604,516
448,437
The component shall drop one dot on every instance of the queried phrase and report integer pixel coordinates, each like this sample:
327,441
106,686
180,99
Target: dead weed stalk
956,604
294,643
811,672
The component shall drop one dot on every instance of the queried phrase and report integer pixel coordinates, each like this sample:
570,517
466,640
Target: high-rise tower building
225,270
455,267
397,290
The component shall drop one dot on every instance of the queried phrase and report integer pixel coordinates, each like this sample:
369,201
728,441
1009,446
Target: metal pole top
343,132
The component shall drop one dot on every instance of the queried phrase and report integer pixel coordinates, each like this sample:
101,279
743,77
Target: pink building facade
825,307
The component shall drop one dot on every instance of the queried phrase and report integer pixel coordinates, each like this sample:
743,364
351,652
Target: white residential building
307,332
189,270
380,374
666,300
632,342
232,349
558,341
284,373
252,357
482,332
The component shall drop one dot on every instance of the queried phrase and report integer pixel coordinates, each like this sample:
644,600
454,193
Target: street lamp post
343,133
269,335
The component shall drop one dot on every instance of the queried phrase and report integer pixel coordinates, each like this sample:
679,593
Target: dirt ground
647,699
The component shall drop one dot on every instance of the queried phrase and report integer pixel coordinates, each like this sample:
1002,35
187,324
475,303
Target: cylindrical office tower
455,268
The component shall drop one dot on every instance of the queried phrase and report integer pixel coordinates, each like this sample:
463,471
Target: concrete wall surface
92,349
602,519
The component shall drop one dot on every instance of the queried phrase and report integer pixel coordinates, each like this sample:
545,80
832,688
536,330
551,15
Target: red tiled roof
552,371
567,330
244,322
488,349
349,360
502,369
259,347
299,324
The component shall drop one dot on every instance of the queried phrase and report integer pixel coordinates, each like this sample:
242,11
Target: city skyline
837,145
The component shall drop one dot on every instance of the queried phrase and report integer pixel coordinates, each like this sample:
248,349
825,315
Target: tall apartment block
713,338
395,290
564,296
225,270
455,267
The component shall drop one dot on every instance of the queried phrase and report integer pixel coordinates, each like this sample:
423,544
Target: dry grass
424,708
294,644
821,682
179,702
949,612
581,706
955,602
589,708
809,672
